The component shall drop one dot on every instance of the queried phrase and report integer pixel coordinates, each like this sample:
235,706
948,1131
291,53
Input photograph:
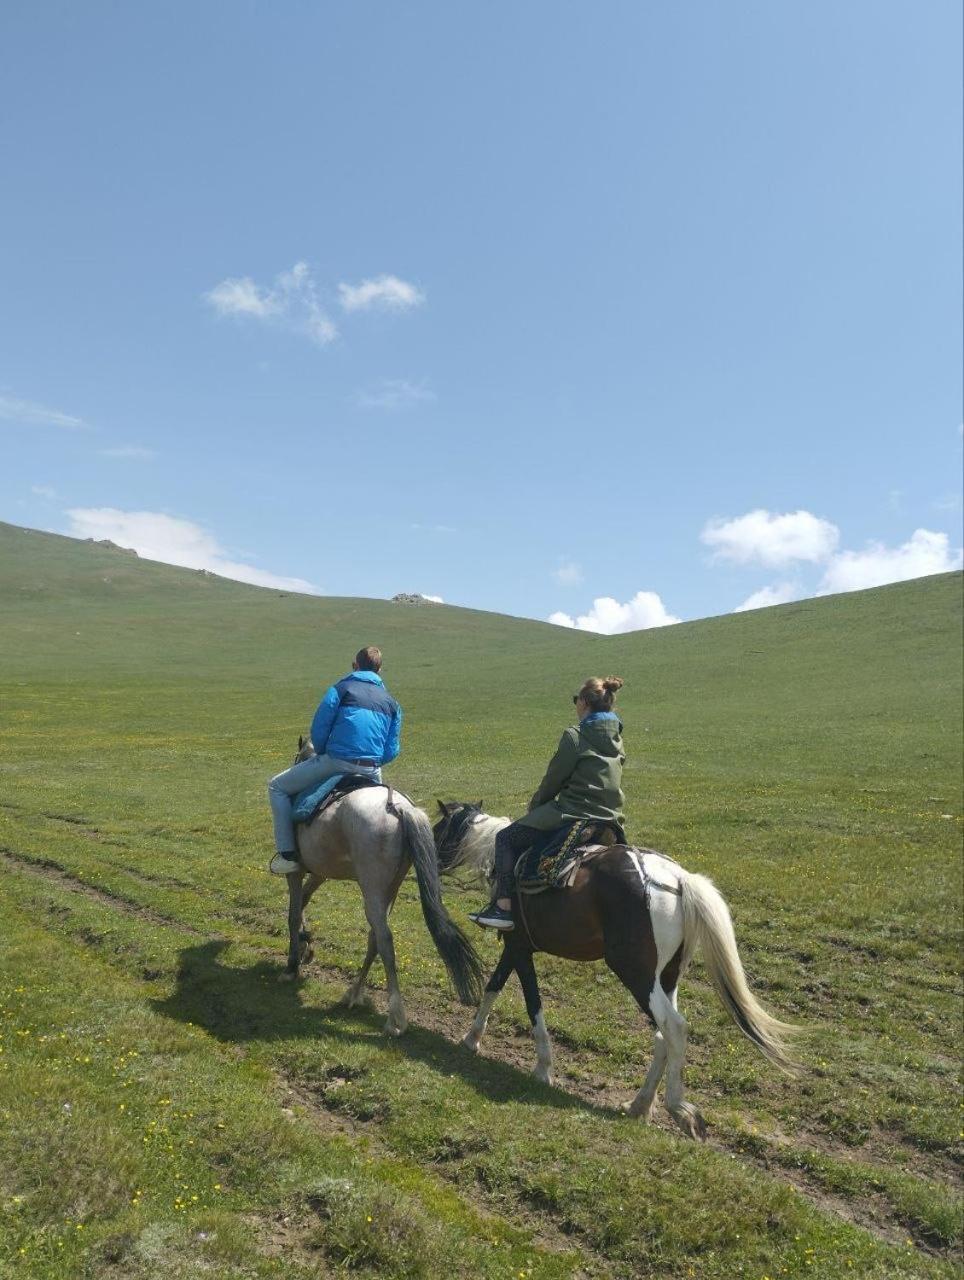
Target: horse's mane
476,849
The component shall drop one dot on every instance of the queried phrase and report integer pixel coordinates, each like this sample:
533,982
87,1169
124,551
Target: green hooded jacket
583,778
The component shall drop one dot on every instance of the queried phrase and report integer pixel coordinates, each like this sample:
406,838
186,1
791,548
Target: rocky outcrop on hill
411,597
111,546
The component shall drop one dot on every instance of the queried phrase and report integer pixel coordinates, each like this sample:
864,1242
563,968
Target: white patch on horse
543,1070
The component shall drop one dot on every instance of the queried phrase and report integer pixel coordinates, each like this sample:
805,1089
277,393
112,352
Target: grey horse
361,838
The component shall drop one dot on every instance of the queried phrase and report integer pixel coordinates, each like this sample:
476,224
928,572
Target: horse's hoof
288,976
543,1075
690,1122
643,1114
636,1110
470,1042
393,1029
353,999
307,955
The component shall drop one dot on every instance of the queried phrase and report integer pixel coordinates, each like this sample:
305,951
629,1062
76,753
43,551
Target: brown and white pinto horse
645,916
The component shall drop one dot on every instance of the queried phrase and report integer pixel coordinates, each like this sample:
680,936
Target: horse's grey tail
707,925
458,954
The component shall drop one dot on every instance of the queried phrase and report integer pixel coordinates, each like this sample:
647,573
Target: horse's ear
479,806
301,742
442,806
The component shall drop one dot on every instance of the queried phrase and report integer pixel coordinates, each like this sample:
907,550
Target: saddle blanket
555,857
307,804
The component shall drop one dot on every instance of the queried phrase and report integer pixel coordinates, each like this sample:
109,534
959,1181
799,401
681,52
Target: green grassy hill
807,756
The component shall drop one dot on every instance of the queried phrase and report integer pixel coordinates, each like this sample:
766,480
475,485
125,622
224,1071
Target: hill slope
806,756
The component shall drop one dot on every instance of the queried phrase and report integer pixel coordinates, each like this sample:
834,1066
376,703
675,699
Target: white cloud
434,599
242,297
779,593
129,451
568,574
156,536
435,528
43,491
36,415
771,539
608,617
384,293
925,553
395,393
292,302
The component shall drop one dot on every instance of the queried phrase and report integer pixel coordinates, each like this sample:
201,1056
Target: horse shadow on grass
248,1005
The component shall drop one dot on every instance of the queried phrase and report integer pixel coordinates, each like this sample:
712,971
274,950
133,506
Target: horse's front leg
526,970
295,910
304,936
500,975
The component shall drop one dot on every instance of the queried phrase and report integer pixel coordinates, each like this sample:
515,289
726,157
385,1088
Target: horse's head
305,750
449,831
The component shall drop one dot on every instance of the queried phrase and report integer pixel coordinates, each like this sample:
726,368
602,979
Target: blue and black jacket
358,719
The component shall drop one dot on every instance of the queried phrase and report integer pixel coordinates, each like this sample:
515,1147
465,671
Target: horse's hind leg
396,1022
526,970
500,975
670,1046
642,1105
355,995
673,1026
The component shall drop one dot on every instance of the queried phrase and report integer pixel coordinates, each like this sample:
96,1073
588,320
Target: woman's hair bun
612,684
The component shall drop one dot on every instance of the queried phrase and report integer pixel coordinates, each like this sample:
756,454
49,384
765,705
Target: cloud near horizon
925,553
157,536
778,593
771,539
608,617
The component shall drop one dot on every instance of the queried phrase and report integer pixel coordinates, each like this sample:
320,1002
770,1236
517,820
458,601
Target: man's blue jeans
309,773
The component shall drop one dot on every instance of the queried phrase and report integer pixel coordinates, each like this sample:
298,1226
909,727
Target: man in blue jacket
356,729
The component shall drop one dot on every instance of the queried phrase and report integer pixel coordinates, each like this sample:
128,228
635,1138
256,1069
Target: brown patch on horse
669,978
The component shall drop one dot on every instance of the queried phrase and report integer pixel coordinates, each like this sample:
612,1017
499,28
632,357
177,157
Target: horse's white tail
707,925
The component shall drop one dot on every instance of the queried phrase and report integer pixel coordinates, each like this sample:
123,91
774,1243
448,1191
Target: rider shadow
249,1005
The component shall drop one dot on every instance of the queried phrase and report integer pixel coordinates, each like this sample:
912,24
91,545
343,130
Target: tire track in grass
49,869
873,1213
326,1115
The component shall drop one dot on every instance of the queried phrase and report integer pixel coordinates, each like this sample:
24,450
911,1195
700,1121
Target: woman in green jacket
582,783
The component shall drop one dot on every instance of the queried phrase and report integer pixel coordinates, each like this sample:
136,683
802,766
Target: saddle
552,861
311,802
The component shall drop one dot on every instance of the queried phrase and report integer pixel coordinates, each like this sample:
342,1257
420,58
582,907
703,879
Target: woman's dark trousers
509,844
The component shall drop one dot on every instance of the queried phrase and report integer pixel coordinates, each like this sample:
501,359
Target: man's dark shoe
493,917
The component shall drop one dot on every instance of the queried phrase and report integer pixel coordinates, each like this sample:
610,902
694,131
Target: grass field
168,1108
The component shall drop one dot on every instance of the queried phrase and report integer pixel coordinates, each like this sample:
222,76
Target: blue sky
521,306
